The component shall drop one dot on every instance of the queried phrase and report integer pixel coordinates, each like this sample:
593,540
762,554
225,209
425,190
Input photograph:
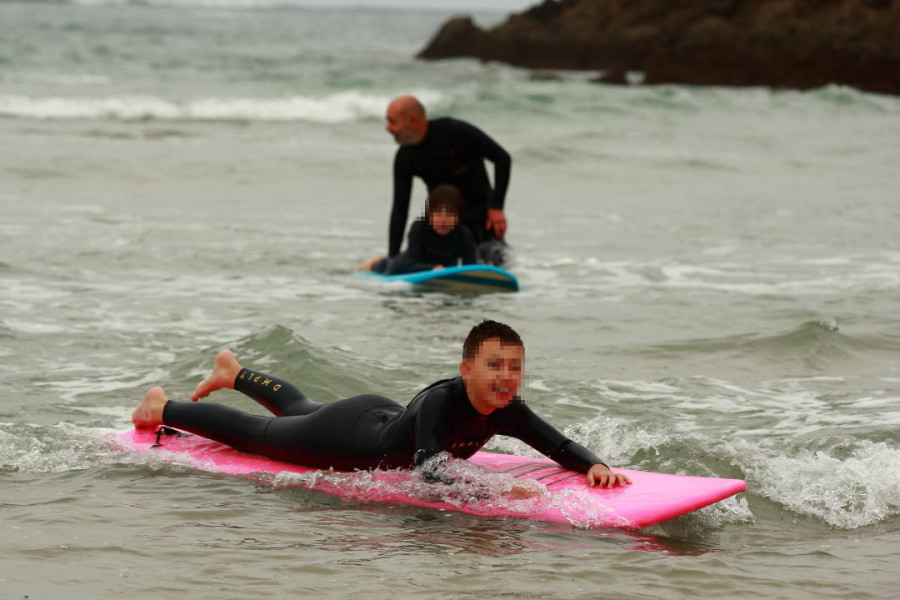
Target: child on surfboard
452,418
435,241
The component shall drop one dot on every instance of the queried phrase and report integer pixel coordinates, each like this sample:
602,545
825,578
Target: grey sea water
710,286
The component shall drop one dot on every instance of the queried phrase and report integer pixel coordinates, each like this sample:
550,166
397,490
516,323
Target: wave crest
334,108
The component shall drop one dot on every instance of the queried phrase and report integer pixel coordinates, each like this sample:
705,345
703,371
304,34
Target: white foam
538,384
496,5
334,108
33,327
859,490
48,449
71,389
73,79
848,485
796,276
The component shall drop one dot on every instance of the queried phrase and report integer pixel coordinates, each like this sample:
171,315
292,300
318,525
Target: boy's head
443,207
491,367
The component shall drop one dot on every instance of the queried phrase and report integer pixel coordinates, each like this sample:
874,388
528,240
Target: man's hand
496,222
602,476
437,267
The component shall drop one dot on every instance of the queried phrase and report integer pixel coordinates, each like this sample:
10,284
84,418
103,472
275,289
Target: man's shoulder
453,124
444,122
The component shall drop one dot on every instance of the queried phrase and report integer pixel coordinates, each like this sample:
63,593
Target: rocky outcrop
778,43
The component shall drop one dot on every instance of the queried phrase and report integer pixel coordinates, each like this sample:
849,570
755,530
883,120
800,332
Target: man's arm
484,145
403,181
481,144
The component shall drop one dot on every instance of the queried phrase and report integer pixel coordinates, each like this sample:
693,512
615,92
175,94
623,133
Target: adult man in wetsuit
450,418
450,151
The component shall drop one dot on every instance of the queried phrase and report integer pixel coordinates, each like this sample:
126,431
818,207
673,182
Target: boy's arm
546,439
469,252
431,413
414,255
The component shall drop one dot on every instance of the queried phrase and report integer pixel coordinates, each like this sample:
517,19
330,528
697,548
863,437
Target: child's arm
468,253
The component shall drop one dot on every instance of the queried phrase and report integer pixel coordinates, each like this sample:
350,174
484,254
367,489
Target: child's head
443,208
491,367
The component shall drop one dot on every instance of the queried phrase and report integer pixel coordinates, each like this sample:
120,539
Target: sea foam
334,108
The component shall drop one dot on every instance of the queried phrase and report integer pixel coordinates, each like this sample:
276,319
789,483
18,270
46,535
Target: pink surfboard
650,499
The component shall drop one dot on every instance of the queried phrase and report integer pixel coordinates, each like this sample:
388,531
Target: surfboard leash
163,430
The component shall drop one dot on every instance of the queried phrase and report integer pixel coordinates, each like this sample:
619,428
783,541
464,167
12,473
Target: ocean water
710,286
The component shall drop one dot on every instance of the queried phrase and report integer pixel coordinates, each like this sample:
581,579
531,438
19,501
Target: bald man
448,151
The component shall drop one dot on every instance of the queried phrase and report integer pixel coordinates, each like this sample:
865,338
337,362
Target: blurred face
400,124
443,221
493,375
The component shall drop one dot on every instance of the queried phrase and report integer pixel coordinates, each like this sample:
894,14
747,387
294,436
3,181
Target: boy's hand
602,476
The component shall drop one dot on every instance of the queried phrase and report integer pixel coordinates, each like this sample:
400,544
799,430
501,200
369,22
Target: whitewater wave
852,484
817,345
844,482
497,5
334,108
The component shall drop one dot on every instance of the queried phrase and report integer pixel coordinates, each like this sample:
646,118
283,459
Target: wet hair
488,330
444,197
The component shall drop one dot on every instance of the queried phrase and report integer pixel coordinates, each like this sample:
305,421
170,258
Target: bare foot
223,374
148,413
527,489
370,262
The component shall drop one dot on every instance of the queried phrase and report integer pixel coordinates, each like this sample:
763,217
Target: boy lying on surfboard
449,418
435,241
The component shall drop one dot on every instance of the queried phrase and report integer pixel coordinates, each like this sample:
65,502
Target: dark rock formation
779,43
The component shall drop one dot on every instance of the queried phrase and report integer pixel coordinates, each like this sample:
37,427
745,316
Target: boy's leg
279,397
404,263
223,373
344,435
148,413
238,429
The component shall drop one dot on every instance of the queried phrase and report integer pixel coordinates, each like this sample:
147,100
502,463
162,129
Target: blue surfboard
456,280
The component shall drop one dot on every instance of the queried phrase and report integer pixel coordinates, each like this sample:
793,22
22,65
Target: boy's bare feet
148,413
223,374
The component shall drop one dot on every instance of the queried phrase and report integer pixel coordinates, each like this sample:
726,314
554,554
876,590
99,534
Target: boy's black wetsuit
453,152
369,431
426,248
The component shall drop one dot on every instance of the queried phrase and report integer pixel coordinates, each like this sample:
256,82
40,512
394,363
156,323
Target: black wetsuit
369,431
426,249
453,152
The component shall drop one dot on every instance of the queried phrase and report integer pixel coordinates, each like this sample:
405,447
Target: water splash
851,484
